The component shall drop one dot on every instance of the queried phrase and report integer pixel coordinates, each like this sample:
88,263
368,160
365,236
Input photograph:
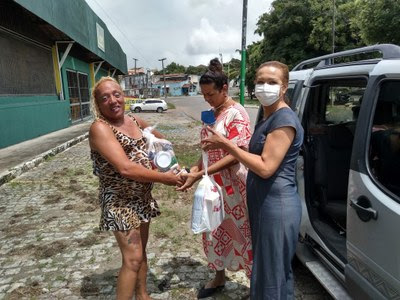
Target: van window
384,154
293,91
330,123
343,103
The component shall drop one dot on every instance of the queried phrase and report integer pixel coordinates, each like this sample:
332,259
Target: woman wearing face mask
272,198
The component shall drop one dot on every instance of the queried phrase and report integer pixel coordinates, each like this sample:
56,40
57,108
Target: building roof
138,71
75,20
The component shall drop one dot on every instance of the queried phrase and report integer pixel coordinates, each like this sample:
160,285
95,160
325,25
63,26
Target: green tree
286,29
232,69
378,21
199,70
323,14
254,59
173,68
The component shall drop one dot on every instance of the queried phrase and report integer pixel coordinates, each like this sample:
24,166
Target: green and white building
51,54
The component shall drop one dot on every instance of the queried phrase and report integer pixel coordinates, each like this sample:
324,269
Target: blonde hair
93,103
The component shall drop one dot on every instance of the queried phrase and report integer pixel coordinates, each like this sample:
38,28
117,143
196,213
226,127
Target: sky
187,32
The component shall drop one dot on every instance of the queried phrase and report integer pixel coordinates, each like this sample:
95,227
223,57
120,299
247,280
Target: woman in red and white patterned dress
229,247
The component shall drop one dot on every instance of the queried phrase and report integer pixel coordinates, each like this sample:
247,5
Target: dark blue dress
275,213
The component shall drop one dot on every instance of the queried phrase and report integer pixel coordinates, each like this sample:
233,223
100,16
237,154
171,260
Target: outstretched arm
265,165
102,140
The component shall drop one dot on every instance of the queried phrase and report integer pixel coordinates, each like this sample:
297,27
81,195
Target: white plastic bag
208,205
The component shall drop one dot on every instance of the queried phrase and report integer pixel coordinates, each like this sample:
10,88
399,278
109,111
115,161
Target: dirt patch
90,240
52,218
17,230
49,250
31,292
53,198
68,207
89,287
28,211
26,250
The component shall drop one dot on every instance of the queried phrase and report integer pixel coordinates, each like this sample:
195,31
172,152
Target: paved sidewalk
18,158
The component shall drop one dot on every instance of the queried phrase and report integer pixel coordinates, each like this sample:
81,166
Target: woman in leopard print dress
126,179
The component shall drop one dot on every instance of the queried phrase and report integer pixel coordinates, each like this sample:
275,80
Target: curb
26,166
251,106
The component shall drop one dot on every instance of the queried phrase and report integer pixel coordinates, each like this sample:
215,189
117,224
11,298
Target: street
193,105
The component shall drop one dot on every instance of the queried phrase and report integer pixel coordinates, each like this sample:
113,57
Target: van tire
137,110
159,109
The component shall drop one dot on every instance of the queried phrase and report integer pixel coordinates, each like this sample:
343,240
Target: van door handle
363,208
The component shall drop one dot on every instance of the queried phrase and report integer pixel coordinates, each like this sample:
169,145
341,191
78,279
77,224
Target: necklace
219,106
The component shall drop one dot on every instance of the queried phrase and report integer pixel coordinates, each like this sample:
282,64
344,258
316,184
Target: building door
78,88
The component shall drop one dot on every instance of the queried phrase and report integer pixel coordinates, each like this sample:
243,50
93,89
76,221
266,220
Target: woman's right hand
170,178
190,178
214,141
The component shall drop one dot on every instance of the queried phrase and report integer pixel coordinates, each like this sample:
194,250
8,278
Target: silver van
348,171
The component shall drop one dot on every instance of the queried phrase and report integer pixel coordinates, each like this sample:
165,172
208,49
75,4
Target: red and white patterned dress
229,247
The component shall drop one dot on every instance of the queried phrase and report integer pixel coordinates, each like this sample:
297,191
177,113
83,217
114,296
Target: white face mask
267,94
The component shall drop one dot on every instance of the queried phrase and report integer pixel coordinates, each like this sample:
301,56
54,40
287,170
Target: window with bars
78,88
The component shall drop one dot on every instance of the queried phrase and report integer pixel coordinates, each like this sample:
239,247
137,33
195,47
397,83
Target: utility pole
333,26
135,59
229,63
243,52
165,86
134,76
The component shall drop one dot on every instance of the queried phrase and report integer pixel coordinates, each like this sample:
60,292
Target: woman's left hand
214,141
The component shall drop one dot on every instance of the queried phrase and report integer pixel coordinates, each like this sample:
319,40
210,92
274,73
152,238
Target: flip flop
204,293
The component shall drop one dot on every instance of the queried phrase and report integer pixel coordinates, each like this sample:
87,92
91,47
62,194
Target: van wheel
159,110
137,110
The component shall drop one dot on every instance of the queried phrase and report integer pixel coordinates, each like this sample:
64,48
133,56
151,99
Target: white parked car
157,105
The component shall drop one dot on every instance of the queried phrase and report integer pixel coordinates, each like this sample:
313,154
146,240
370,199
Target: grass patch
168,223
195,124
171,106
163,127
187,155
247,101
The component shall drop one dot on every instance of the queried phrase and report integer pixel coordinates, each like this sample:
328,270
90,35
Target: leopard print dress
125,203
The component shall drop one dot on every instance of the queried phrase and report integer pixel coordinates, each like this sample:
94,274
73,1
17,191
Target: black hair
215,75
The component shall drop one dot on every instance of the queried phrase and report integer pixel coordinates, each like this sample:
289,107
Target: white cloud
206,39
188,32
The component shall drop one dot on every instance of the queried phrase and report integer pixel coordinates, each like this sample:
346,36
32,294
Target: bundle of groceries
161,153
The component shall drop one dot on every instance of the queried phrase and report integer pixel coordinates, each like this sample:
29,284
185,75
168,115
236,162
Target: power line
122,32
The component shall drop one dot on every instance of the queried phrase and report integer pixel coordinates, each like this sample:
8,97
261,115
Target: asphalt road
193,105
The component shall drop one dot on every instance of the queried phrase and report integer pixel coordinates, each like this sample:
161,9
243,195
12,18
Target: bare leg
218,280
130,244
141,285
